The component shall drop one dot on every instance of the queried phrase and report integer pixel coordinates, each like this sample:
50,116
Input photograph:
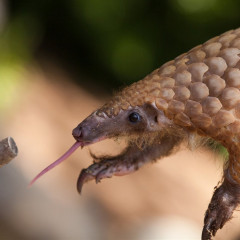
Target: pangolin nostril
77,132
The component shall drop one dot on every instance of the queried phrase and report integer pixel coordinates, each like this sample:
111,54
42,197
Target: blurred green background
111,42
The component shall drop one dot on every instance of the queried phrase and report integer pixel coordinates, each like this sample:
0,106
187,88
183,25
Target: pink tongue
59,160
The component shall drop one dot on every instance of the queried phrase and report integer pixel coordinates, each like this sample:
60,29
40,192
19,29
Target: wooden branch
8,150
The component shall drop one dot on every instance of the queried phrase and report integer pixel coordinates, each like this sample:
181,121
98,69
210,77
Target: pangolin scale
196,94
199,89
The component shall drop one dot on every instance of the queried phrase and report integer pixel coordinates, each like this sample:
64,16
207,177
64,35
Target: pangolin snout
91,129
77,133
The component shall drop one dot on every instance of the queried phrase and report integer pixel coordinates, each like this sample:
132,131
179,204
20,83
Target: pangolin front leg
224,201
128,161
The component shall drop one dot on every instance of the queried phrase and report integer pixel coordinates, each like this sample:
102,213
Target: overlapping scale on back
199,88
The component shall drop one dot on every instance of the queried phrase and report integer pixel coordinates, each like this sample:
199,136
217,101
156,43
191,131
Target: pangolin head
136,110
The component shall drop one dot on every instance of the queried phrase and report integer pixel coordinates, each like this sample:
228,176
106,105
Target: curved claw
207,234
214,223
219,211
88,174
106,168
83,177
95,171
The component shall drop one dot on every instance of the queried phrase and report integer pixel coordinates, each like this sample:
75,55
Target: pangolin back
198,89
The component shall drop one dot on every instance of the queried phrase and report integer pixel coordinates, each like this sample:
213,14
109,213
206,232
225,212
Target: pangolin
196,94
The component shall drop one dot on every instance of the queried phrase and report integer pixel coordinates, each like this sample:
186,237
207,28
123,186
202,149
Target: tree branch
8,150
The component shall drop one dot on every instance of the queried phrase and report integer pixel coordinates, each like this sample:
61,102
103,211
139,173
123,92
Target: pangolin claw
95,171
219,211
106,168
213,224
207,234
83,177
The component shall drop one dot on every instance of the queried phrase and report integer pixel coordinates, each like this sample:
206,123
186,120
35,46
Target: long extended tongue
59,160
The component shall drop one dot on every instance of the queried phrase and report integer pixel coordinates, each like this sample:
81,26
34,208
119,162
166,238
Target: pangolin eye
134,117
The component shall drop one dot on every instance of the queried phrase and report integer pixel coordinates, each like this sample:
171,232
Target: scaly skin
196,94
199,91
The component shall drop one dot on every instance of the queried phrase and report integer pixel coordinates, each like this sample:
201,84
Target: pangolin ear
162,120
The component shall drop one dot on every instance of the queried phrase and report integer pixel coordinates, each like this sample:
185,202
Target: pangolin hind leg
224,201
130,160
